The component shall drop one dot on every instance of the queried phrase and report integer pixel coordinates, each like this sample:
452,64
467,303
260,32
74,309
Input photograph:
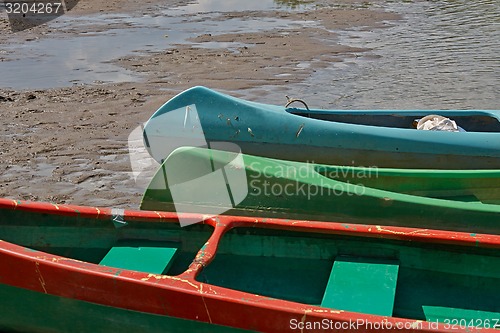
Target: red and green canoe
83,269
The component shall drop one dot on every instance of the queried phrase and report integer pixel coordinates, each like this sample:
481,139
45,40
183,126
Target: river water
442,54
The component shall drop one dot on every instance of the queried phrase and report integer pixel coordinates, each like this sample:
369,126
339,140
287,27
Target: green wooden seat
363,285
475,317
150,257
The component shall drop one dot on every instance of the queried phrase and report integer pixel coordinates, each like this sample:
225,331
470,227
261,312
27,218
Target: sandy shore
69,145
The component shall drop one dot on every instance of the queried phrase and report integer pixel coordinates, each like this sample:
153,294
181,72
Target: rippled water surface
87,57
441,55
207,6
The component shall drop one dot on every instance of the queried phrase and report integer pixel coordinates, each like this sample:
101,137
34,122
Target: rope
292,100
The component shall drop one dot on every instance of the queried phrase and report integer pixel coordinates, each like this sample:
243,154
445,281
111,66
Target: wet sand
70,145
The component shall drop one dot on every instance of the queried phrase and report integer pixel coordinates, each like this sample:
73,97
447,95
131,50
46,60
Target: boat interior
481,187
415,280
470,123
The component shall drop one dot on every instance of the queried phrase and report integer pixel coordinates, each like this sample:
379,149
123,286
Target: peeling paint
72,260
205,304
419,231
303,320
416,324
218,222
301,127
236,134
156,276
184,280
167,277
210,290
314,310
201,254
40,277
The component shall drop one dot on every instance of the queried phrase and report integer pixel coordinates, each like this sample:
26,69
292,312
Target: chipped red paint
182,296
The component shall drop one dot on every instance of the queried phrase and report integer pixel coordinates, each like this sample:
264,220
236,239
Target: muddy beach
69,143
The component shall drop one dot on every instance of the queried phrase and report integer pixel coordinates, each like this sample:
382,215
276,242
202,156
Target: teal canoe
221,182
384,138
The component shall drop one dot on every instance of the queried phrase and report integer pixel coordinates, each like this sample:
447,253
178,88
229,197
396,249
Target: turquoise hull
383,138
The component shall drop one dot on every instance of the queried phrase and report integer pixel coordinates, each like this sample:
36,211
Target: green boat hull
466,185
27,311
447,200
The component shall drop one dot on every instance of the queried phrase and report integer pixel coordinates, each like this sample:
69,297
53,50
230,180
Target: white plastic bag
435,122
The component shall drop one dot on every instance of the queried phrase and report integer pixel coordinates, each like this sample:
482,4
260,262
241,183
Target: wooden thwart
149,258
365,285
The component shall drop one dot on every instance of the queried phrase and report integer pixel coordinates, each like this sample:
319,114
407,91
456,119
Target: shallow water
441,55
208,6
55,62
445,54
86,58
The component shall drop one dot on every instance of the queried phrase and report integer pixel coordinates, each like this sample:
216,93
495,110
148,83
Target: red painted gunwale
183,297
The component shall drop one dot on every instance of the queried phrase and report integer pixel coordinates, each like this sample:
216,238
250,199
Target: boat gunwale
228,222
495,114
273,107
